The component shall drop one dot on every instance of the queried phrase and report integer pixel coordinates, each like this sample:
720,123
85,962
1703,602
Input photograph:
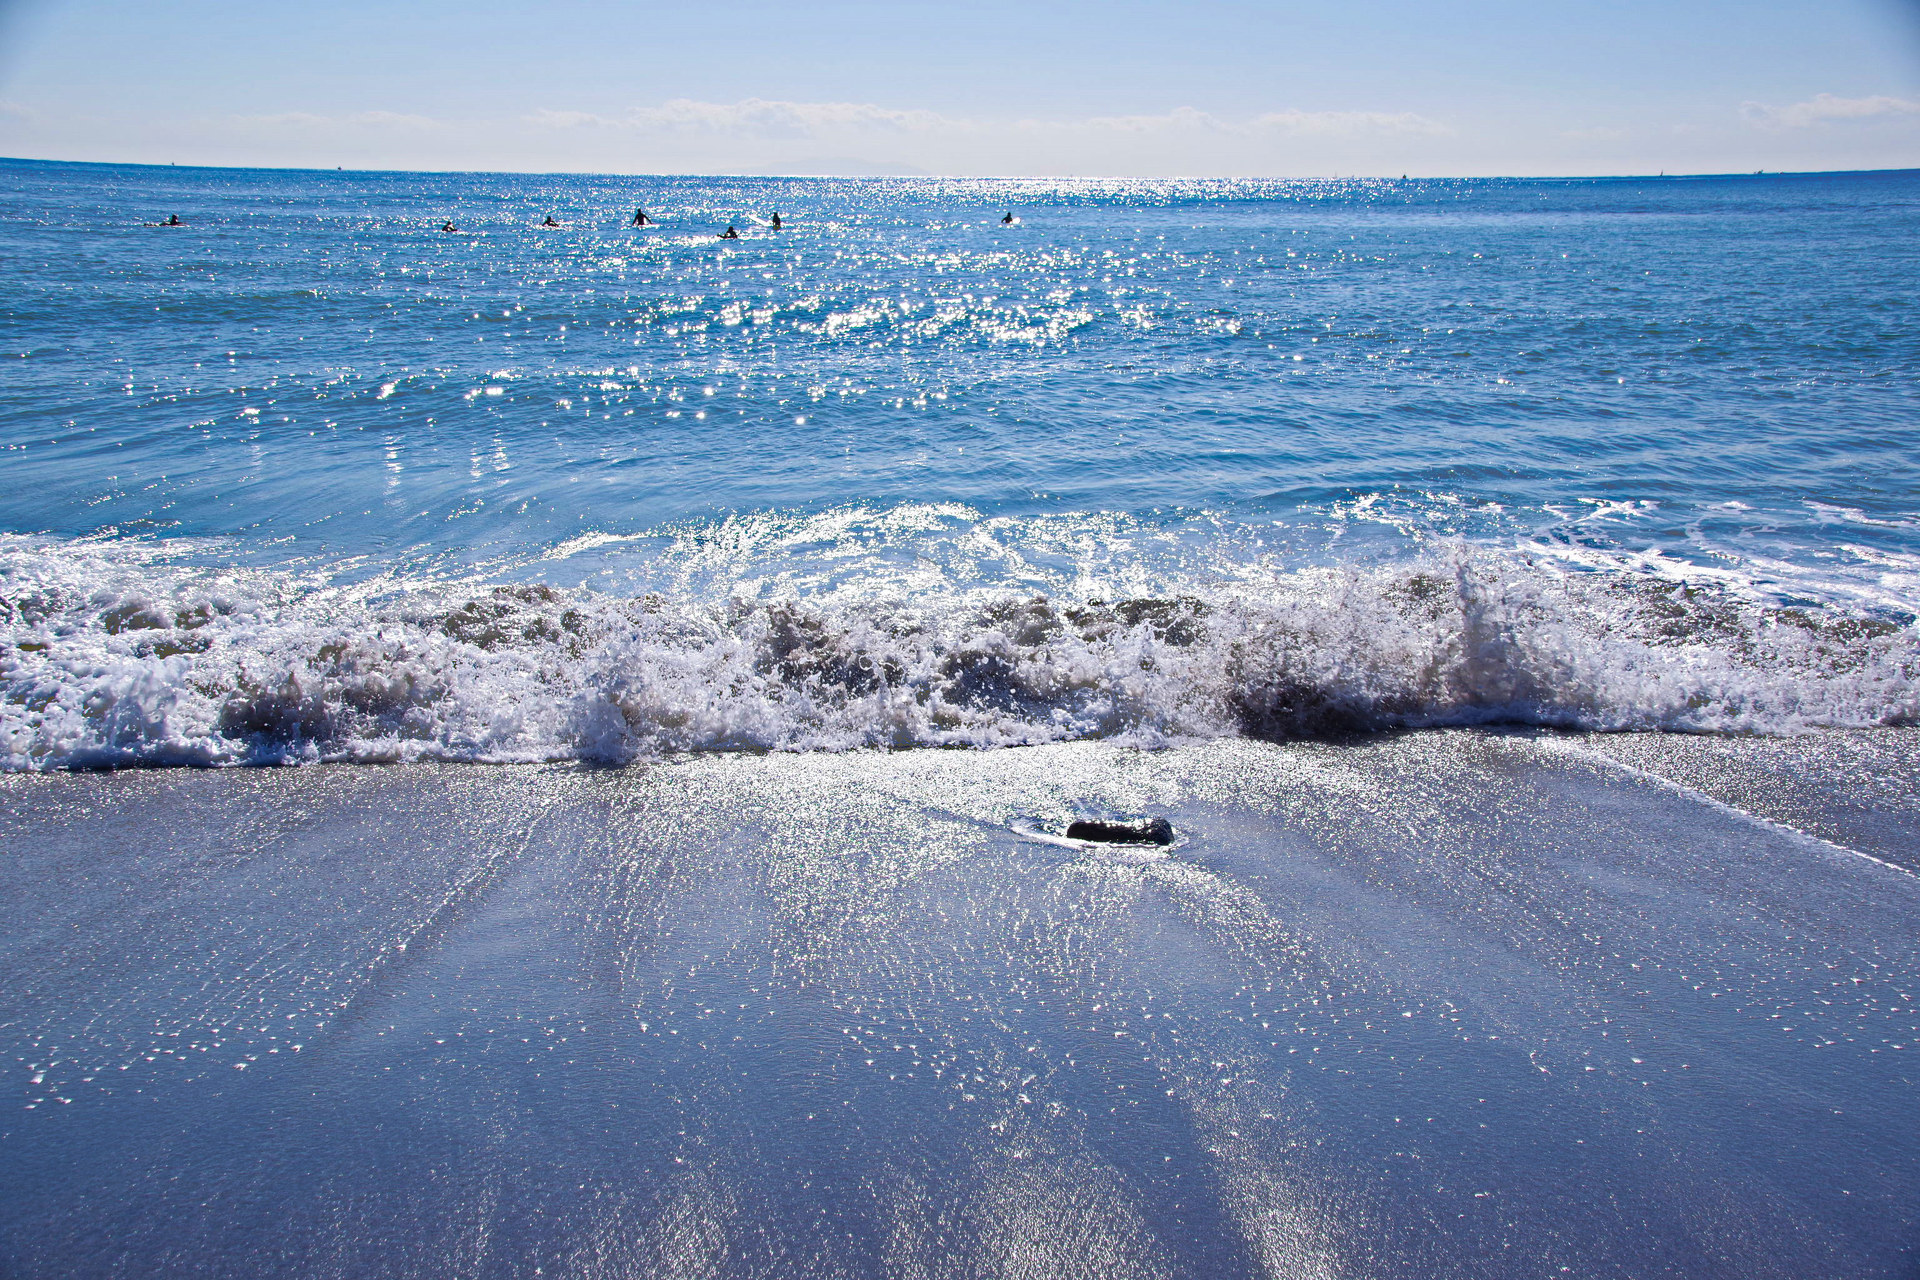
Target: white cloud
757,116
307,120
1343,124
283,119
760,135
394,119
1349,123
771,119
567,119
1180,118
1825,108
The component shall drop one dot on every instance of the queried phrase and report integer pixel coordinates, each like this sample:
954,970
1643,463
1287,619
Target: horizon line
961,177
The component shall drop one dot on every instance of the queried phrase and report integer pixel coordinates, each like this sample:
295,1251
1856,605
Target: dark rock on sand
1151,831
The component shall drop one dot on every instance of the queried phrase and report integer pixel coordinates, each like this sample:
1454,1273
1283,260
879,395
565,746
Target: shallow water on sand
1442,1004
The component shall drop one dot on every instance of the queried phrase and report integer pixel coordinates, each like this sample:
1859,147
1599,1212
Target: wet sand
1440,1004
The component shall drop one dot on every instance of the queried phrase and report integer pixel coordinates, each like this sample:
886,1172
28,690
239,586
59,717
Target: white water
124,652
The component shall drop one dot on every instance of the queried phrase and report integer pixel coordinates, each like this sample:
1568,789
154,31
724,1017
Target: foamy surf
118,654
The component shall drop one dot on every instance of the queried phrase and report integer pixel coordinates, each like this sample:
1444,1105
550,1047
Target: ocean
308,479
1507,591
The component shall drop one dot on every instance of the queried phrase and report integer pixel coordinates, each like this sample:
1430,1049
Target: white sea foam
129,653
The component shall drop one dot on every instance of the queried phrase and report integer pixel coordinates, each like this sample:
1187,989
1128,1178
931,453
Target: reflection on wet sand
1437,1004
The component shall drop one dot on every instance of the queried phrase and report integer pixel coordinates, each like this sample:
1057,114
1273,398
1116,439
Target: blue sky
1215,87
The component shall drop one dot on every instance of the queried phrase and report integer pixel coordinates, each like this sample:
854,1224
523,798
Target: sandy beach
1457,1003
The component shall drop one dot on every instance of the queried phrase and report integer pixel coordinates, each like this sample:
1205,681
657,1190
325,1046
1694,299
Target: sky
1227,88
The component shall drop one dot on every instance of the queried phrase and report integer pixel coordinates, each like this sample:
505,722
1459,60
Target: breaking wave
115,656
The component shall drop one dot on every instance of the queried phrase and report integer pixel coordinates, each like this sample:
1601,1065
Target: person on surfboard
1008,220
729,233
549,222
776,219
448,226
640,218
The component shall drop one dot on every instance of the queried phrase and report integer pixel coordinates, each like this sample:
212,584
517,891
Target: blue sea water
308,478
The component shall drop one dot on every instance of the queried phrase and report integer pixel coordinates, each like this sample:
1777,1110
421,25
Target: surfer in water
729,233
1008,220
448,226
776,219
640,218
549,222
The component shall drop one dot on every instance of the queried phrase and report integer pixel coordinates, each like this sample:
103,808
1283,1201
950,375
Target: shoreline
1805,784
